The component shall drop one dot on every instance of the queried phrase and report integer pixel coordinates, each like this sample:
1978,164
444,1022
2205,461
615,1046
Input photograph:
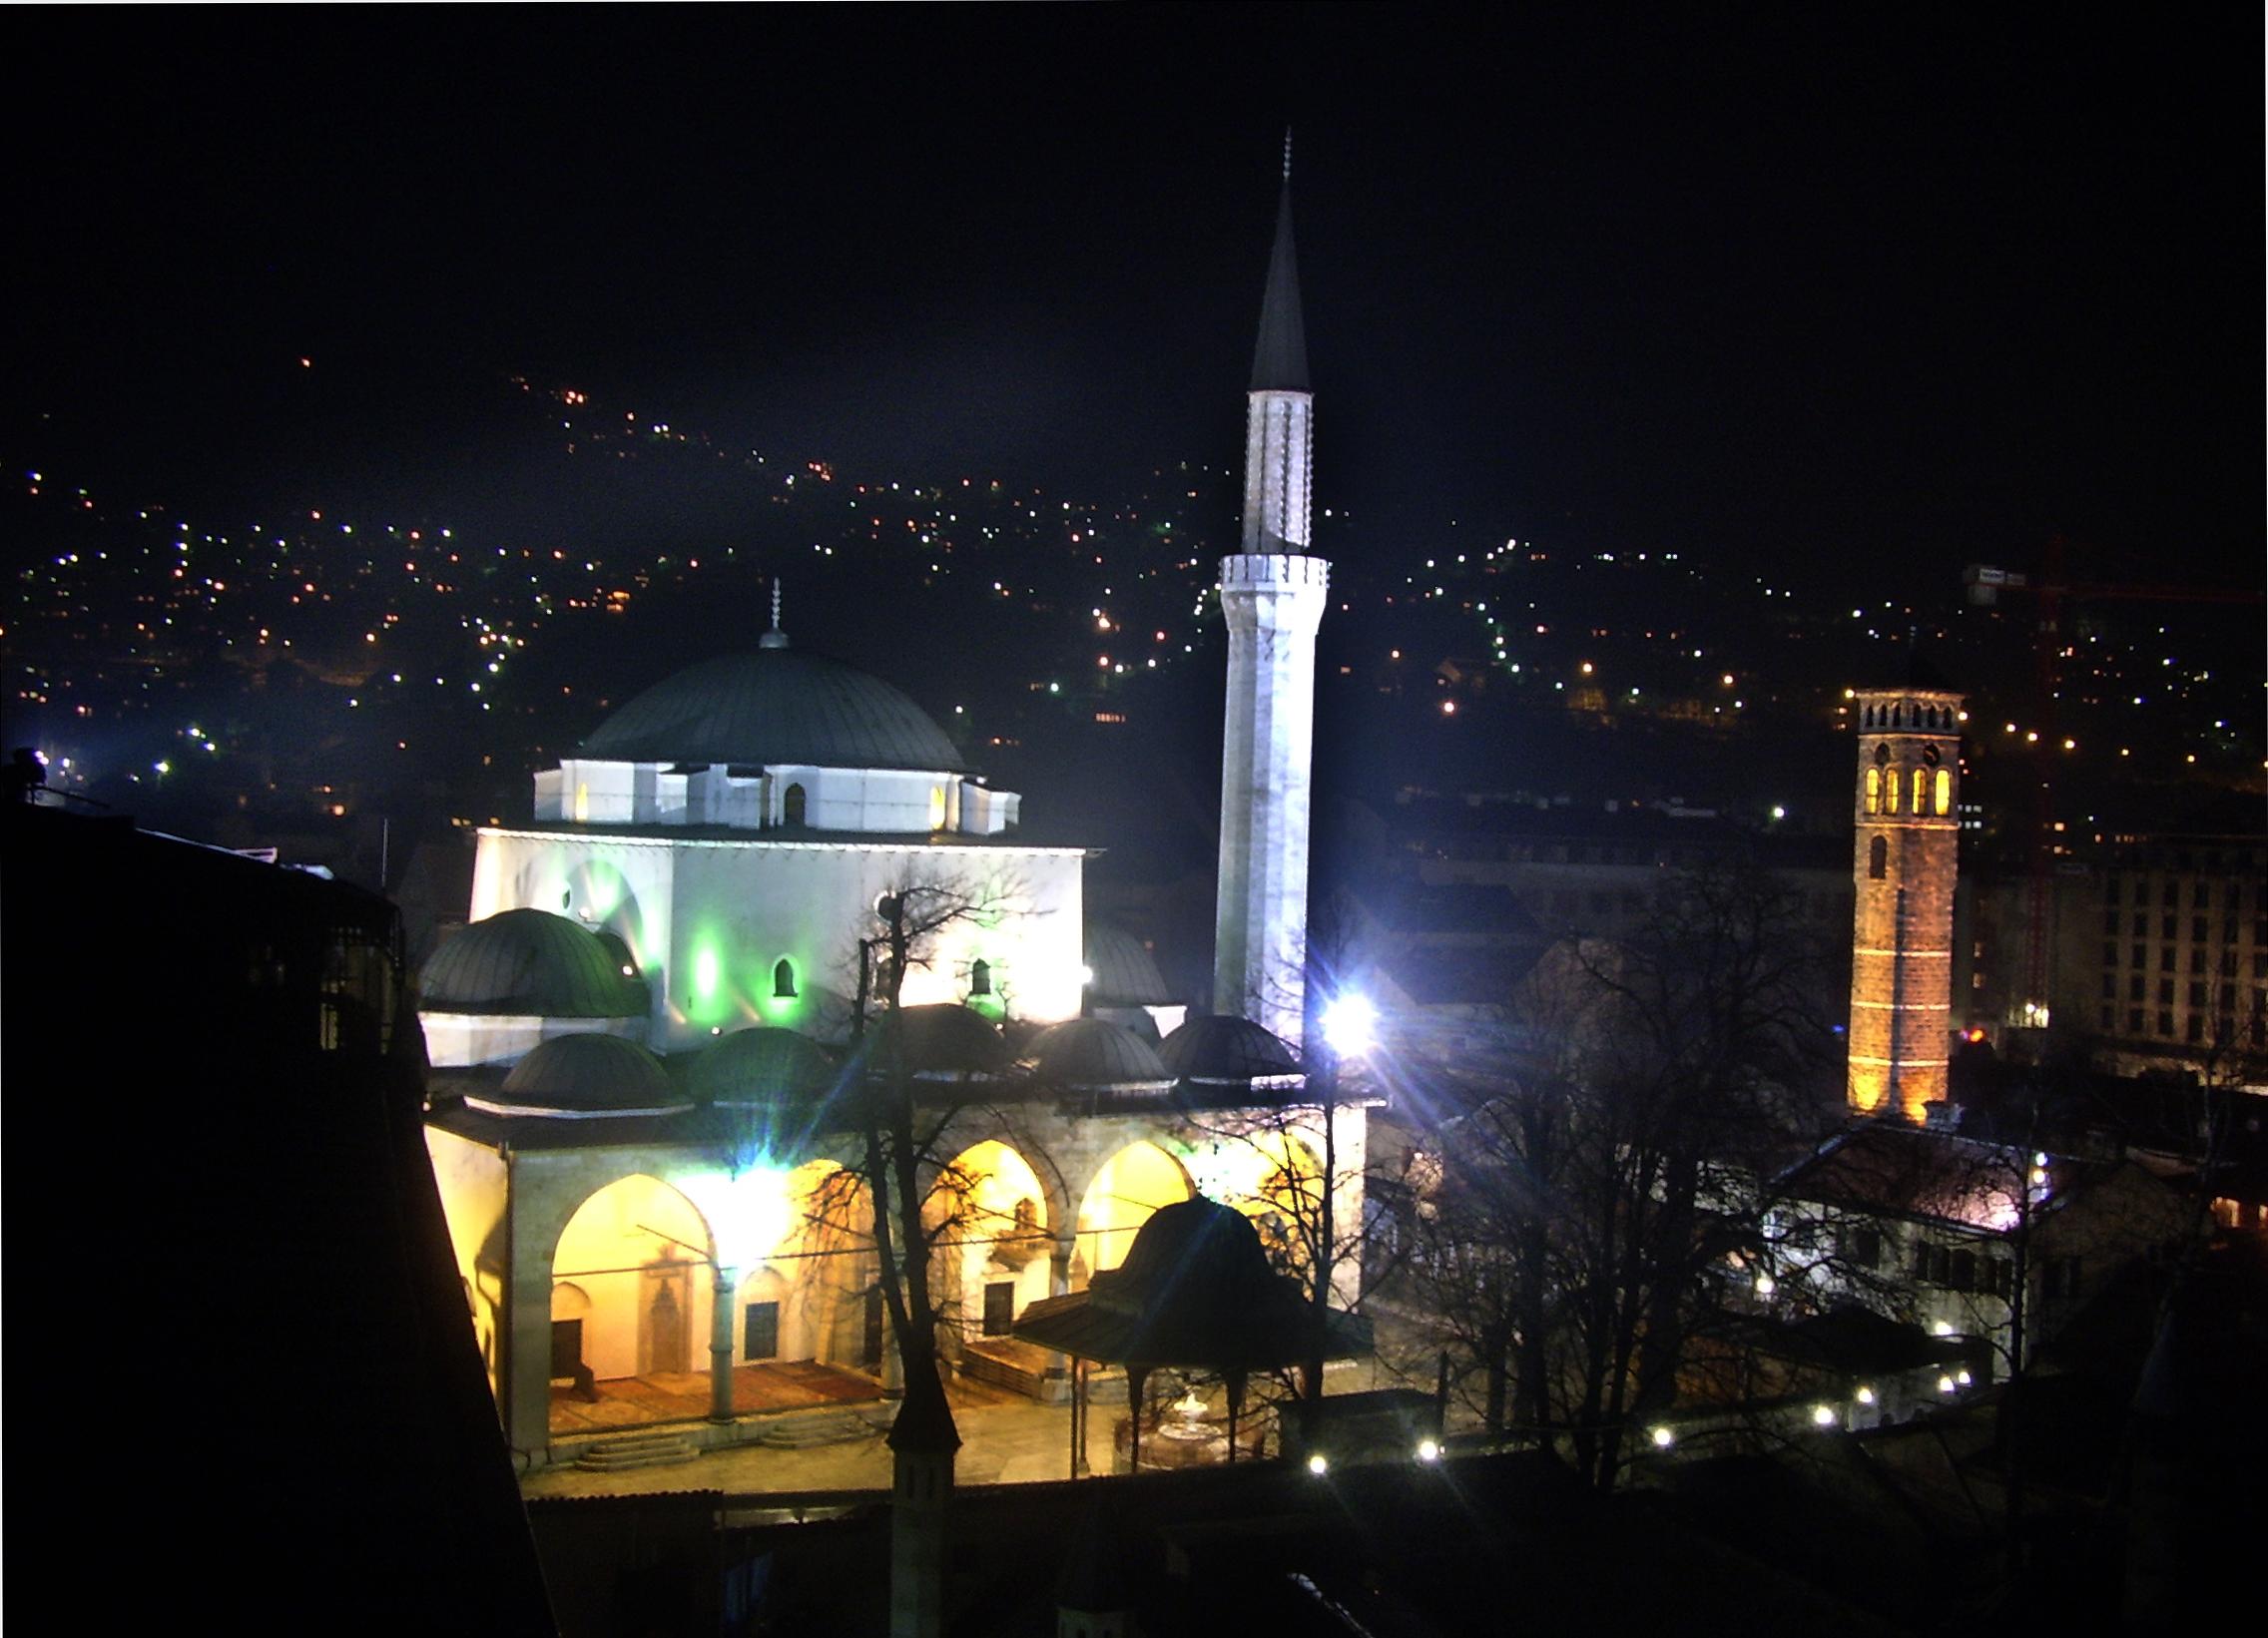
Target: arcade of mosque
641,1042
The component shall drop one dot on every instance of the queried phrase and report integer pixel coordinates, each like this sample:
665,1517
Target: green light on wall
705,972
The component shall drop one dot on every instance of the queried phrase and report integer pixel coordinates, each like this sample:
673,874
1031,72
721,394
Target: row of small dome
532,963
587,1075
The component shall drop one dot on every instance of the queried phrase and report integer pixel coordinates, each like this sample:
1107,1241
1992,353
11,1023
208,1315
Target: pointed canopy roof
1195,1291
1280,362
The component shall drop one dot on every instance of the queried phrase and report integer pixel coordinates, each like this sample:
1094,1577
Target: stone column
1057,1372
527,1352
721,1306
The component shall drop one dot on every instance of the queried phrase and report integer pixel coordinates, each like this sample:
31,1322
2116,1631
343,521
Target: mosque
644,1042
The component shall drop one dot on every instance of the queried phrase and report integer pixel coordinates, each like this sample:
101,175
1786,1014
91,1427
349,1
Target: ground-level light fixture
1319,1464
1945,1384
1823,1415
1429,1451
1663,1439
1865,1396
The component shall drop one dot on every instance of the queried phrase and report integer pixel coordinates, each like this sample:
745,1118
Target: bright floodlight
1429,1451
1349,1024
1823,1415
1318,1465
1663,1439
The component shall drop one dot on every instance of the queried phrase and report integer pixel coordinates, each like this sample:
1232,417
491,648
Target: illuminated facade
1906,806
649,1162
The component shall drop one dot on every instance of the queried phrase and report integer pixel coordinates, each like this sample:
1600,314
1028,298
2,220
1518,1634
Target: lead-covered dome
572,1076
1225,1049
1088,1054
756,1068
775,705
529,963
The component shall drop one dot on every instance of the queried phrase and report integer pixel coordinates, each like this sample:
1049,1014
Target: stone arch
1126,1188
1878,859
640,1250
792,804
995,1220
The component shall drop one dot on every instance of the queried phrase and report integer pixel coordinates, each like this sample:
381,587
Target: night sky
1853,293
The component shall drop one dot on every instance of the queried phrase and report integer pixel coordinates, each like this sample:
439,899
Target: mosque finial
775,638
1287,152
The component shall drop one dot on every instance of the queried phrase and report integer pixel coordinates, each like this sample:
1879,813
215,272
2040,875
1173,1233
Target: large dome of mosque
771,705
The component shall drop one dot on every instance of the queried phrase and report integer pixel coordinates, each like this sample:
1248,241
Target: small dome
1125,974
1088,1054
1220,1048
760,1067
584,1075
773,705
529,963
941,1040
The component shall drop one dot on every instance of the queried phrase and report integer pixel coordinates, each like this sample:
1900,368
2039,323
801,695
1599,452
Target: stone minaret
1906,803
1272,593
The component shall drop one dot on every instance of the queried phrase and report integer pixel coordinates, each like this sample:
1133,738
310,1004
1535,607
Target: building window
1862,1248
2134,983
2197,930
2110,987
2165,990
2196,1027
1889,792
2170,898
2165,1022
792,805
784,980
1874,790
2133,1020
980,982
2106,1019
2196,992
936,808
1878,859
1941,801
1921,792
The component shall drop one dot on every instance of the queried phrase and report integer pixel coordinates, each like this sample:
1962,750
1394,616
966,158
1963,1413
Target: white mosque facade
644,1077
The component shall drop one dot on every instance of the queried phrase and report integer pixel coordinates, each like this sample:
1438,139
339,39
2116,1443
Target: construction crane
1985,584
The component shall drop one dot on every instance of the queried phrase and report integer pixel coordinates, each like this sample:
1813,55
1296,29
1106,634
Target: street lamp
1350,1025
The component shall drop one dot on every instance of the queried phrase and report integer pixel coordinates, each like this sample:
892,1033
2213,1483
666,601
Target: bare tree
1579,1219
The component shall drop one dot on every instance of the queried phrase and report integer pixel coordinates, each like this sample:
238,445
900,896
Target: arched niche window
1941,798
980,978
1881,756
1921,792
1874,790
1878,858
1889,791
792,805
936,808
784,979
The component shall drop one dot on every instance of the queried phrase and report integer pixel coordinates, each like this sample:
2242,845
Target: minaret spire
1280,362
1273,592
775,638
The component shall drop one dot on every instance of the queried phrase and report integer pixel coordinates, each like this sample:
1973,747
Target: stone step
809,1429
635,1450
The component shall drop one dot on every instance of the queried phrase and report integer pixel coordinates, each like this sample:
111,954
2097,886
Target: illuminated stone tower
1272,593
1906,801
